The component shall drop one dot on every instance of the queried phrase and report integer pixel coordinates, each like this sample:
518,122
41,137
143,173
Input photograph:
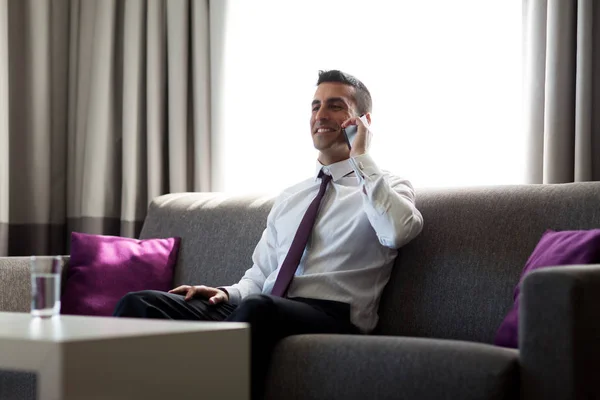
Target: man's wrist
222,289
355,152
364,165
233,294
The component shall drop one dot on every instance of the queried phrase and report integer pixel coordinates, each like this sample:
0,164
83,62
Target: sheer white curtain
445,79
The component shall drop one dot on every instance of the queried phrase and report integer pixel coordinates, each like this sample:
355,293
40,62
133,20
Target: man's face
332,104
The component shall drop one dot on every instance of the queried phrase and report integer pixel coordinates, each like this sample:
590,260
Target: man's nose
322,114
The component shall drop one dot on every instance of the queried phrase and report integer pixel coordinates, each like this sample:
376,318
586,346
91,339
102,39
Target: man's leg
163,305
272,318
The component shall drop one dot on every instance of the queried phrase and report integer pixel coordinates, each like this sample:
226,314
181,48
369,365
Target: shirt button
361,165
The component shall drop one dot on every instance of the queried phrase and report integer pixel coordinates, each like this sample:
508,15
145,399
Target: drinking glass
45,285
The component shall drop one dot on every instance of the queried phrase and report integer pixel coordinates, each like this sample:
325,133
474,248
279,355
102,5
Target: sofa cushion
370,367
102,269
456,280
554,249
233,223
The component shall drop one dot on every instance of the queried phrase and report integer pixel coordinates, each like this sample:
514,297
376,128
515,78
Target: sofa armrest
385,367
559,333
15,283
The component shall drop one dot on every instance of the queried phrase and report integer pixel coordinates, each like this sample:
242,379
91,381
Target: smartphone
350,133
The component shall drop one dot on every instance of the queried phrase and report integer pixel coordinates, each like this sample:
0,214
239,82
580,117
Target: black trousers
271,318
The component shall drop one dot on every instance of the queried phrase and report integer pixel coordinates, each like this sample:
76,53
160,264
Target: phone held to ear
350,133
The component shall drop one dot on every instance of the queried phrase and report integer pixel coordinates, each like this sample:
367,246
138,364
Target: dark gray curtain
562,90
104,105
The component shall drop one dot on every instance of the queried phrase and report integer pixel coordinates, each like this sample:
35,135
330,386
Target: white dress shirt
364,217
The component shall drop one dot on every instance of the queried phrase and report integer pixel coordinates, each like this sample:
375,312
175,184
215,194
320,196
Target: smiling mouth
325,130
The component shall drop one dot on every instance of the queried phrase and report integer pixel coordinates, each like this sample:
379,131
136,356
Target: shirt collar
337,170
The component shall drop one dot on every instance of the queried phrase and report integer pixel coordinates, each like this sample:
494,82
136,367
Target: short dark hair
362,97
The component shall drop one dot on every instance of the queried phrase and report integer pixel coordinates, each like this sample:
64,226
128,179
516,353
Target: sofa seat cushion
383,367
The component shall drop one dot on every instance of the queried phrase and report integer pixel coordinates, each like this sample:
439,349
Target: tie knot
324,177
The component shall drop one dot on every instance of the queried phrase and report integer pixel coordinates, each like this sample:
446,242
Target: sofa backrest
457,279
454,281
219,233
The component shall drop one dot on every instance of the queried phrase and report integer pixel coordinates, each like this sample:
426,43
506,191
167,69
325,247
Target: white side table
123,358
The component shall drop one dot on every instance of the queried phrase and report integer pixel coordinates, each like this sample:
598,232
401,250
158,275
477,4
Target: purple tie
290,264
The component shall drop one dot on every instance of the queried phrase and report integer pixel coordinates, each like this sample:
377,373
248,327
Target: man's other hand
213,295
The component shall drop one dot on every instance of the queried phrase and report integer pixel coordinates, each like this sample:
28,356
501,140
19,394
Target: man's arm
389,203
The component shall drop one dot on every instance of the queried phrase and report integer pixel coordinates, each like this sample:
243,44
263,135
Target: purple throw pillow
102,269
553,249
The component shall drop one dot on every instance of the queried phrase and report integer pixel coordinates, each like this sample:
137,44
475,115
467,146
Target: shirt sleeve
389,202
264,261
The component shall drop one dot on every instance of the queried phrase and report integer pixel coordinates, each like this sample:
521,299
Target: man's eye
315,108
336,108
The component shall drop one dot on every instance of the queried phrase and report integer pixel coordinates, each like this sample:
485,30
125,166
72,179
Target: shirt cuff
235,297
372,179
365,167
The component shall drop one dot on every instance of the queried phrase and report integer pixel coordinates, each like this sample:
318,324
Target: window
445,78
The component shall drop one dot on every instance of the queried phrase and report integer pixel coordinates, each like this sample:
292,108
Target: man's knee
134,303
254,308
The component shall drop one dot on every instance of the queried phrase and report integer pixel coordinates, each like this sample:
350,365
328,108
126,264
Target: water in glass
45,286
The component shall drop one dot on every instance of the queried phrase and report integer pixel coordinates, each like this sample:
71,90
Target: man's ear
368,116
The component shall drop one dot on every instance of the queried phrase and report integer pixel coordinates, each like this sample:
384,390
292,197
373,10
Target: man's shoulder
290,191
299,186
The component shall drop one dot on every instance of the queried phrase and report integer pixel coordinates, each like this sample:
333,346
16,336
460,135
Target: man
328,248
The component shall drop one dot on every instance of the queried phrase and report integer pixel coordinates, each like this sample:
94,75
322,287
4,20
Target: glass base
46,312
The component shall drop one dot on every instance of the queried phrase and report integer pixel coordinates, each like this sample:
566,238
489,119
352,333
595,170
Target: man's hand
362,140
213,295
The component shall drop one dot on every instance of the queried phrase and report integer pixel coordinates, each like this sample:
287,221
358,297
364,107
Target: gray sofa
449,291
